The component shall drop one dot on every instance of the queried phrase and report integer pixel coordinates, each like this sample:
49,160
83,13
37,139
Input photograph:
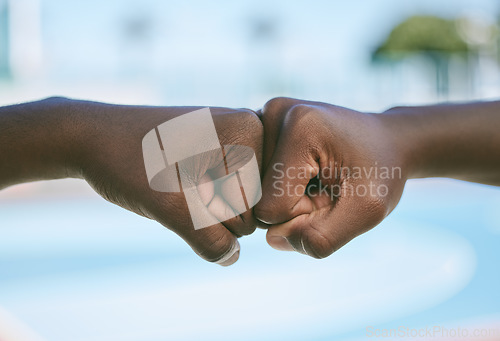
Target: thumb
326,230
214,243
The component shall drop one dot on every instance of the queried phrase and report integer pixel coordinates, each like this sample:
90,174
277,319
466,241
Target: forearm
459,141
36,141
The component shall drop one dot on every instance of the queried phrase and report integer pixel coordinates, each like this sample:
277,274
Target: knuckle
241,127
276,104
300,115
253,121
249,122
247,115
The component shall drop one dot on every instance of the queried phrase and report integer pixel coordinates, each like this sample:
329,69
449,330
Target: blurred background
74,267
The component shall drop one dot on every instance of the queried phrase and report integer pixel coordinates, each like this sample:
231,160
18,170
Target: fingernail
263,221
279,243
232,256
231,259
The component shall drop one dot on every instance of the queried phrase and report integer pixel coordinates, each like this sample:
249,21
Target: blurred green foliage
422,34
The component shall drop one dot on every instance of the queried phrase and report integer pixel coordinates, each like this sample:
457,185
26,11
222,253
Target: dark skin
101,143
458,141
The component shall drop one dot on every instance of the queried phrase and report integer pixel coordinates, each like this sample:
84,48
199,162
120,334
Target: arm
459,141
37,142
102,144
333,173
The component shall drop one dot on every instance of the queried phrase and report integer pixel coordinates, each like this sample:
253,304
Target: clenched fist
331,174
102,143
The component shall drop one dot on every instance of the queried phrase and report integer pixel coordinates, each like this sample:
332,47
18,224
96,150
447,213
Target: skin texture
102,143
459,141
323,183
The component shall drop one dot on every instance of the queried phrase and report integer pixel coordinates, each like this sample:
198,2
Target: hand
331,174
111,161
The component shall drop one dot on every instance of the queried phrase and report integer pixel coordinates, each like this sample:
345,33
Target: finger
214,243
293,164
234,191
272,115
219,205
239,224
325,231
242,224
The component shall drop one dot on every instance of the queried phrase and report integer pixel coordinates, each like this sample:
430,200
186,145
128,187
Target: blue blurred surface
87,270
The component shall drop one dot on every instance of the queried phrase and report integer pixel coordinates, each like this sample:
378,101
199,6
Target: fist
331,174
111,161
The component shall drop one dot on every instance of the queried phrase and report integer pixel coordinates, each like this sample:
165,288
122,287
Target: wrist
70,118
83,133
405,130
